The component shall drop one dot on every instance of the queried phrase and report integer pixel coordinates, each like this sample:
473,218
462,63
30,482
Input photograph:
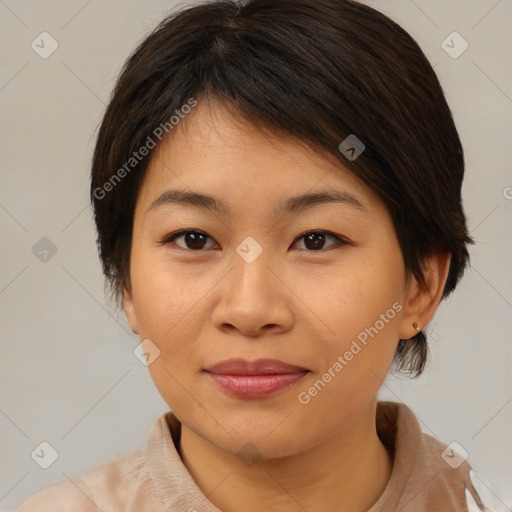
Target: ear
129,309
422,303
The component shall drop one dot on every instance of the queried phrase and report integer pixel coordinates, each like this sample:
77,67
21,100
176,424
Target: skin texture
292,303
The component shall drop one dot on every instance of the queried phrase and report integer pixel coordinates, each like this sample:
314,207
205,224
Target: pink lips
255,379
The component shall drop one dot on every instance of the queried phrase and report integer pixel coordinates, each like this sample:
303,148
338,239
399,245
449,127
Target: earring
415,325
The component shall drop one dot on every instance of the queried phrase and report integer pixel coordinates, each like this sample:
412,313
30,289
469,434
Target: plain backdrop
68,375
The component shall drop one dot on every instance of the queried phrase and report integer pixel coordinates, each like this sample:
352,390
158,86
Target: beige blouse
427,476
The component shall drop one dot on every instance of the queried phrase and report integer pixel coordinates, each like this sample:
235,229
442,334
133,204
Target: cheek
168,303
164,298
362,311
357,360
343,301
365,290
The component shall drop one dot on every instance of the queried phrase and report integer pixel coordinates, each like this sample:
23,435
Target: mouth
255,379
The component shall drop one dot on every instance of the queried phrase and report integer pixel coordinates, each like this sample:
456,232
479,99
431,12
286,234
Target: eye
315,240
196,240
193,239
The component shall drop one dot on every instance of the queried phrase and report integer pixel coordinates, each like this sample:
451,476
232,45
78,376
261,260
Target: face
317,286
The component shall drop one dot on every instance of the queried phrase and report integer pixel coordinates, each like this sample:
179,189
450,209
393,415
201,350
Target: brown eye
193,240
197,240
315,240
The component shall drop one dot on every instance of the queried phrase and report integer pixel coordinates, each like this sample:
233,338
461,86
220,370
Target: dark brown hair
315,70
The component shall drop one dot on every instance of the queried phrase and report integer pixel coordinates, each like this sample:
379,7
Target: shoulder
479,493
105,485
62,497
427,473
488,493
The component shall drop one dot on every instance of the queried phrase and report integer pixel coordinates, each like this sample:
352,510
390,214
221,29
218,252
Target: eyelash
170,239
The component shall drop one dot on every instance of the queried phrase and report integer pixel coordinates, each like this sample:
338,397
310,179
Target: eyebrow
290,205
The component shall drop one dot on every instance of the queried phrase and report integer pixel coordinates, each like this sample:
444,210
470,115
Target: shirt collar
397,428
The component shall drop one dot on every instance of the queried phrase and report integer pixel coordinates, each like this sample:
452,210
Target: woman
277,194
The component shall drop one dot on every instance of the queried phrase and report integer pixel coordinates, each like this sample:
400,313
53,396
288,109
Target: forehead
215,152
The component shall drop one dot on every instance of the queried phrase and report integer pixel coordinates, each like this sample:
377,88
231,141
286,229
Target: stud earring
415,325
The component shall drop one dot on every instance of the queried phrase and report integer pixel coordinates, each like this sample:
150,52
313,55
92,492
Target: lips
255,379
258,367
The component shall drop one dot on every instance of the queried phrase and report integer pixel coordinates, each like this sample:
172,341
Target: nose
253,298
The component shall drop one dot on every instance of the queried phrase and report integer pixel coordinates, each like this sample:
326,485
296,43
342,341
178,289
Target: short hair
314,70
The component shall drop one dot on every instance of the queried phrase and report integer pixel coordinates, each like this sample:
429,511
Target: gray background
68,375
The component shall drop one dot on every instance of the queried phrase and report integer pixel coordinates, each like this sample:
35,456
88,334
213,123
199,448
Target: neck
348,471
